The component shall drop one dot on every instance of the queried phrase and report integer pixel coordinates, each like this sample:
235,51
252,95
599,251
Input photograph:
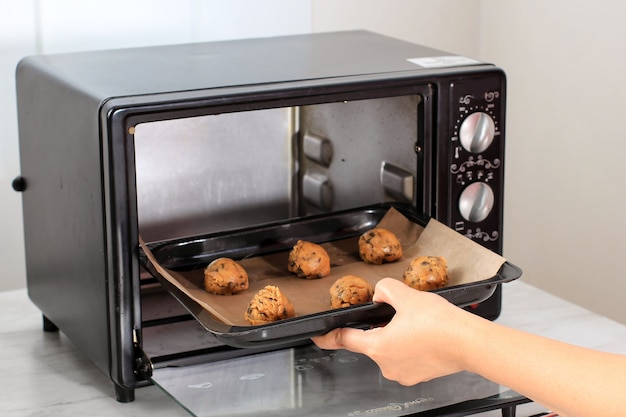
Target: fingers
388,290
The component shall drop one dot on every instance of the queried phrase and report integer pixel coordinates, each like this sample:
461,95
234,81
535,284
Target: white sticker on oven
443,61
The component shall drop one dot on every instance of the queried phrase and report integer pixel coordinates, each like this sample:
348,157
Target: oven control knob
476,202
477,132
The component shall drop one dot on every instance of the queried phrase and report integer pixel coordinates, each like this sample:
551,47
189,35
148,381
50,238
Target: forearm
571,380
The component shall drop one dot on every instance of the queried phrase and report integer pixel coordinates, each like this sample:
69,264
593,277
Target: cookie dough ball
269,305
379,245
309,260
426,273
350,290
224,276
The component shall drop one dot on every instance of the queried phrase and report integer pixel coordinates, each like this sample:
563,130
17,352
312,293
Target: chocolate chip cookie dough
309,260
379,245
426,273
269,305
224,276
350,290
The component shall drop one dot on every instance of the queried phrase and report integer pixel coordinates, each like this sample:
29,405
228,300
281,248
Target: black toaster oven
173,142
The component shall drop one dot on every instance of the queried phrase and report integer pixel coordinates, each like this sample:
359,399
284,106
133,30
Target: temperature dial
477,132
476,202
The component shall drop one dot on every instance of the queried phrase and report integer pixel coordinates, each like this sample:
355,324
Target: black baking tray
198,251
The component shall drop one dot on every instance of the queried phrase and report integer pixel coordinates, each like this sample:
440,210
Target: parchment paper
467,262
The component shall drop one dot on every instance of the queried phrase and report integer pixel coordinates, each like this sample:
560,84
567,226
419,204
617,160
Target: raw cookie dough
224,276
350,290
426,273
309,260
379,245
269,305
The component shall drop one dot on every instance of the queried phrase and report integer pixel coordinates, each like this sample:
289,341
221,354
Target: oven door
307,381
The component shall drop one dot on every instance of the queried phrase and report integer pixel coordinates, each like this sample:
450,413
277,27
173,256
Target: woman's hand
418,344
429,337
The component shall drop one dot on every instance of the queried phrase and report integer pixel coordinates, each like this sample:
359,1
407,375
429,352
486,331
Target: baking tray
277,239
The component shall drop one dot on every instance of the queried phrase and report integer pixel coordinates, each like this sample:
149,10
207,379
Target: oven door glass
307,381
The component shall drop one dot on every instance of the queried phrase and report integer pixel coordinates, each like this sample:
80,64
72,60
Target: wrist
464,340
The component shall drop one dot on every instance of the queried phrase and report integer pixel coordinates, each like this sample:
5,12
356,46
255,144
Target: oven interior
219,172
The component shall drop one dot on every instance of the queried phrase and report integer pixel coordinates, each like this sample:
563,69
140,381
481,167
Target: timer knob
476,202
477,132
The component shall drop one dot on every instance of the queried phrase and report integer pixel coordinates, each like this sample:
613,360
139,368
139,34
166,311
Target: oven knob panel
477,132
476,202
475,160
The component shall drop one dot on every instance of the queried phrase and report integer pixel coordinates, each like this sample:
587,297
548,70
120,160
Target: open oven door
307,381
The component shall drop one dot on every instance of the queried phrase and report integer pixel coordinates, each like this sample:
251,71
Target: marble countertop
44,374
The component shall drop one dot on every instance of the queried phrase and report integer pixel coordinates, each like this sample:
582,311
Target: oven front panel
437,146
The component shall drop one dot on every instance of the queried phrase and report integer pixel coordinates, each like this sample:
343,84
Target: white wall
566,185
17,38
450,25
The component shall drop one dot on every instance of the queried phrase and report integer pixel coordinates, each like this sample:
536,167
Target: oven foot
124,395
508,411
48,325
